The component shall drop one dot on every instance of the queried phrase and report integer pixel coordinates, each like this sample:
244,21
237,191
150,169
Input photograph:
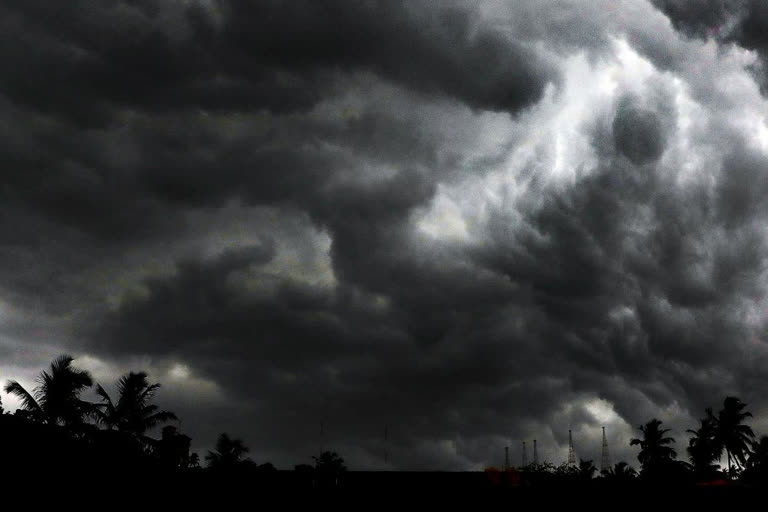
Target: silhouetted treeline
55,435
722,452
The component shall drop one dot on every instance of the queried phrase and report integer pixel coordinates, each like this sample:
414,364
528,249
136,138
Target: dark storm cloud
315,355
703,18
234,192
111,159
742,22
432,51
271,55
676,286
101,55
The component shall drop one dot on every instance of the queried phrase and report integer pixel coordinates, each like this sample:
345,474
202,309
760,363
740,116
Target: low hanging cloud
474,223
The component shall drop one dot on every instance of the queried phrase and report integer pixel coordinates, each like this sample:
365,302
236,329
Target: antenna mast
605,460
571,452
525,456
386,453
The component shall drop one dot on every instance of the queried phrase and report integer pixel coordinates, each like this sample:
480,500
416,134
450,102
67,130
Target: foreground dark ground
369,489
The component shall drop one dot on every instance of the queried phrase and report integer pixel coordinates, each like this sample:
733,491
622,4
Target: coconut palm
654,452
757,464
229,453
56,398
703,448
132,413
732,435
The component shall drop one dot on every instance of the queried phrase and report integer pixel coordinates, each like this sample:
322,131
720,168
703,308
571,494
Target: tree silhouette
329,462
56,398
623,471
172,449
757,464
328,468
703,448
620,473
654,453
566,471
229,453
132,413
732,435
587,469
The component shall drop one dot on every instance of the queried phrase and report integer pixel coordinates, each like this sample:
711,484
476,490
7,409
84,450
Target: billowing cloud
474,223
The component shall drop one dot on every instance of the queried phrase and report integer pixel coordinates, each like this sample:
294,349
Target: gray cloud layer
476,223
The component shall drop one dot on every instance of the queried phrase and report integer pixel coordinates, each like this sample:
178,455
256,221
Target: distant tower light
535,453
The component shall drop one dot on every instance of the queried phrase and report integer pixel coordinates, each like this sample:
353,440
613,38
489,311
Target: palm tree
229,453
132,413
56,398
703,448
732,435
757,465
654,452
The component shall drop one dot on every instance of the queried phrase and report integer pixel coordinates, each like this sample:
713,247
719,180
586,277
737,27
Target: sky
475,223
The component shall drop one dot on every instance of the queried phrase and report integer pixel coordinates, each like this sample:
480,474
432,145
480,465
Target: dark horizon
474,223
118,431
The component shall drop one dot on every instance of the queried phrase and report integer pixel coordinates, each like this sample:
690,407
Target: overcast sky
476,223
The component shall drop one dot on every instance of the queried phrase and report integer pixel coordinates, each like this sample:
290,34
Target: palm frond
61,363
158,418
28,401
105,398
149,392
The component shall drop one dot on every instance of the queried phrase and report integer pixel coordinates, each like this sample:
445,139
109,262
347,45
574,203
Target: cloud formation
476,223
